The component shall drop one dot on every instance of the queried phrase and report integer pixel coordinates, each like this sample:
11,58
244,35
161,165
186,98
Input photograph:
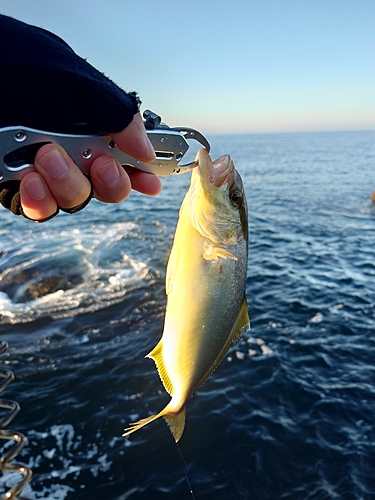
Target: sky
244,66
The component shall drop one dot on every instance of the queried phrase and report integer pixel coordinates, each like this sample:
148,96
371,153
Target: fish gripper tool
6,464
19,145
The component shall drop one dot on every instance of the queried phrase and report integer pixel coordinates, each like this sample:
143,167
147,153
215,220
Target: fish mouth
214,173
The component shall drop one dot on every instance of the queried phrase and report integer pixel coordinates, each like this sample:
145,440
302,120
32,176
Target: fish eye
235,198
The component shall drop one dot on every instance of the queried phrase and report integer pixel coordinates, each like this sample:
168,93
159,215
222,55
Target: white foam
239,355
63,442
101,269
318,318
54,492
266,351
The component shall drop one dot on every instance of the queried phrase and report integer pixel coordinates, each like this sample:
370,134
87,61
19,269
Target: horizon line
284,132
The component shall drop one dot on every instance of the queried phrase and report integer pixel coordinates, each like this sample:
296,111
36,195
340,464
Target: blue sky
244,66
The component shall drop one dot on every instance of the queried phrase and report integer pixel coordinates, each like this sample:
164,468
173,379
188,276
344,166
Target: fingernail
150,148
54,163
35,189
109,173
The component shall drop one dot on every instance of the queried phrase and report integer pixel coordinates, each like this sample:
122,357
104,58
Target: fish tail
135,426
175,421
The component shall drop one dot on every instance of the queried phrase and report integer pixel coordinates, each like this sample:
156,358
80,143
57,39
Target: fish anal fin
241,324
176,423
213,252
157,356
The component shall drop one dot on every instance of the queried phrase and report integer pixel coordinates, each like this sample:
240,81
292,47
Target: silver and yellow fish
205,284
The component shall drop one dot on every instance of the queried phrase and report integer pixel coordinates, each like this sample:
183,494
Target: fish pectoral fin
212,252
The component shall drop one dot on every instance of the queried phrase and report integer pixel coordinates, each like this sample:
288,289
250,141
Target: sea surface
288,415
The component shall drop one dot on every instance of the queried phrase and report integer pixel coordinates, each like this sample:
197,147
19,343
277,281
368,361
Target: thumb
133,140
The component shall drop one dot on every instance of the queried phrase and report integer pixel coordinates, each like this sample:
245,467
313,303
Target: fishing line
185,471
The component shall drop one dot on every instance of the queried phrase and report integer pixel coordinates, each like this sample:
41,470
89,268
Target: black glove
10,196
45,85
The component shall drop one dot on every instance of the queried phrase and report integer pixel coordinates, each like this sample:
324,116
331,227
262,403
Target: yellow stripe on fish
205,284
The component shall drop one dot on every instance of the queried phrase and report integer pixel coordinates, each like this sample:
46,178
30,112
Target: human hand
58,182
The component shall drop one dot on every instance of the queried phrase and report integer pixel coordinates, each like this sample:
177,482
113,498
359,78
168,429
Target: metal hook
191,133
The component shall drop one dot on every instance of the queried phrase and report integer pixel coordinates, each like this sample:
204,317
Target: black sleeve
44,84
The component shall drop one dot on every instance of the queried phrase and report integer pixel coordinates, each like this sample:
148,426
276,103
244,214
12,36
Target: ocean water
289,413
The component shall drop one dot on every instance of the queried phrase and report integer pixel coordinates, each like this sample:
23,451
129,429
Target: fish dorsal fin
241,324
157,356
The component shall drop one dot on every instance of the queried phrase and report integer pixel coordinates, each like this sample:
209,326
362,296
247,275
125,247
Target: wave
65,273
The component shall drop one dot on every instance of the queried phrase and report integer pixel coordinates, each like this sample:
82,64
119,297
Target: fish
206,310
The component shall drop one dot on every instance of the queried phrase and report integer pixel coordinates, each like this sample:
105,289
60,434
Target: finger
110,181
68,185
144,182
133,141
37,201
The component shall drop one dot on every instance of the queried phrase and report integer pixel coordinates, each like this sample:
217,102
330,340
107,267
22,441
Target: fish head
218,202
